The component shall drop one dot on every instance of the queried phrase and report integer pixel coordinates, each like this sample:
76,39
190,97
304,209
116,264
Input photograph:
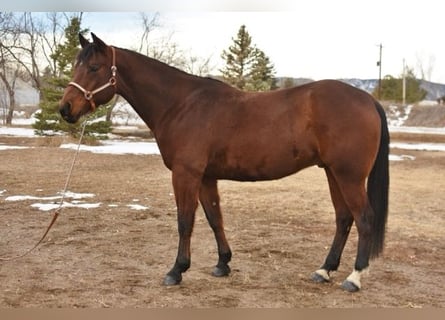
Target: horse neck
151,87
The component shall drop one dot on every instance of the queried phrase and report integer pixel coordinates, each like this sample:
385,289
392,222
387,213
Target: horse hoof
221,271
318,278
349,286
170,280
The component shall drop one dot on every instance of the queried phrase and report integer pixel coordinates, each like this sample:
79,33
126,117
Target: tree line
41,48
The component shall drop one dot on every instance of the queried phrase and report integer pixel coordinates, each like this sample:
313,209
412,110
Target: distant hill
433,90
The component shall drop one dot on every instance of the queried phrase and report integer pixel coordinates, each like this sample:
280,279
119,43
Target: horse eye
93,67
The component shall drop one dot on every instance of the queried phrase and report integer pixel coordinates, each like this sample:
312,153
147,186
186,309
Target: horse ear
98,41
83,42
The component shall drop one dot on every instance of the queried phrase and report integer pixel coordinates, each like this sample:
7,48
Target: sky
315,39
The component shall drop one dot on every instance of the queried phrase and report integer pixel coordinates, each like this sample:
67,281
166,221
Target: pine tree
247,67
49,120
238,59
261,75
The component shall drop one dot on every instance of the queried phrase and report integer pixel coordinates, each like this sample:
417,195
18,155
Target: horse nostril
65,109
65,112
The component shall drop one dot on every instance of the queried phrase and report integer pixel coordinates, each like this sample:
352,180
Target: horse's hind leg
353,190
209,199
344,220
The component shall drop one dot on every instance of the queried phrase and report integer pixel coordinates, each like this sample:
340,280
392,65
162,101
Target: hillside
433,90
417,115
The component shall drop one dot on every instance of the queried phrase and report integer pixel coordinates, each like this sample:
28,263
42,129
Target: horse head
94,80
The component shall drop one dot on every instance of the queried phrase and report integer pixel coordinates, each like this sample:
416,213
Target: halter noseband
111,83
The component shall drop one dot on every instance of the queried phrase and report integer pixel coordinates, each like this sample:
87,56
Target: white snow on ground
16,132
118,147
418,146
419,130
53,206
396,117
137,207
48,203
393,157
68,194
5,147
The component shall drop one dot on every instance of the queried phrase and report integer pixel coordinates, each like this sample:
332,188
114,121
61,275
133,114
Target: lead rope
59,208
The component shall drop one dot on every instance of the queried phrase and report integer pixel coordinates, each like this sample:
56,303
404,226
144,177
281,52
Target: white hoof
321,275
352,282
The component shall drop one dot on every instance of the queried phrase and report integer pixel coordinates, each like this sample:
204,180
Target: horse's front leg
186,186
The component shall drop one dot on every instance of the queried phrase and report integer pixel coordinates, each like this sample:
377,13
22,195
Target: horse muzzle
65,112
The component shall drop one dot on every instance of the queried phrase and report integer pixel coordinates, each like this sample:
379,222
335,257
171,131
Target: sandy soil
279,231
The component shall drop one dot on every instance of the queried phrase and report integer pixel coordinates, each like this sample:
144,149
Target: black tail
378,187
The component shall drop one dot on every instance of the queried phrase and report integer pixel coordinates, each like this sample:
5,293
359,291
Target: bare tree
425,66
165,49
24,50
19,54
149,23
27,39
197,65
51,37
8,70
9,79
162,48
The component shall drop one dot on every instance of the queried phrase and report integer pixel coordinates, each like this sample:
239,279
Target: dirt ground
279,231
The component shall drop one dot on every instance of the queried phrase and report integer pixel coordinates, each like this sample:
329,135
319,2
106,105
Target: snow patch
6,147
418,146
68,194
398,115
76,201
17,132
419,130
393,157
53,206
137,207
118,147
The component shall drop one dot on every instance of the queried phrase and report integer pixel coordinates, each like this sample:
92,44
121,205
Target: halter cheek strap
111,83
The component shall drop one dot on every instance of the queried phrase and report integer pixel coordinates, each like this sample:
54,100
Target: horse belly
259,163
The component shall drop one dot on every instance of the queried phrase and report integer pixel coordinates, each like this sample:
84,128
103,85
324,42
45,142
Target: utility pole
379,64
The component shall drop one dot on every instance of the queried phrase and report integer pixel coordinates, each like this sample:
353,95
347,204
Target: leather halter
111,83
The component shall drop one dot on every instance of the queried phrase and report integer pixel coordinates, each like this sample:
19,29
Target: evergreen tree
49,119
247,67
414,92
392,88
261,75
238,59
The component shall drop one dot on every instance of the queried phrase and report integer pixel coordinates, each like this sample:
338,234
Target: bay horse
207,130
